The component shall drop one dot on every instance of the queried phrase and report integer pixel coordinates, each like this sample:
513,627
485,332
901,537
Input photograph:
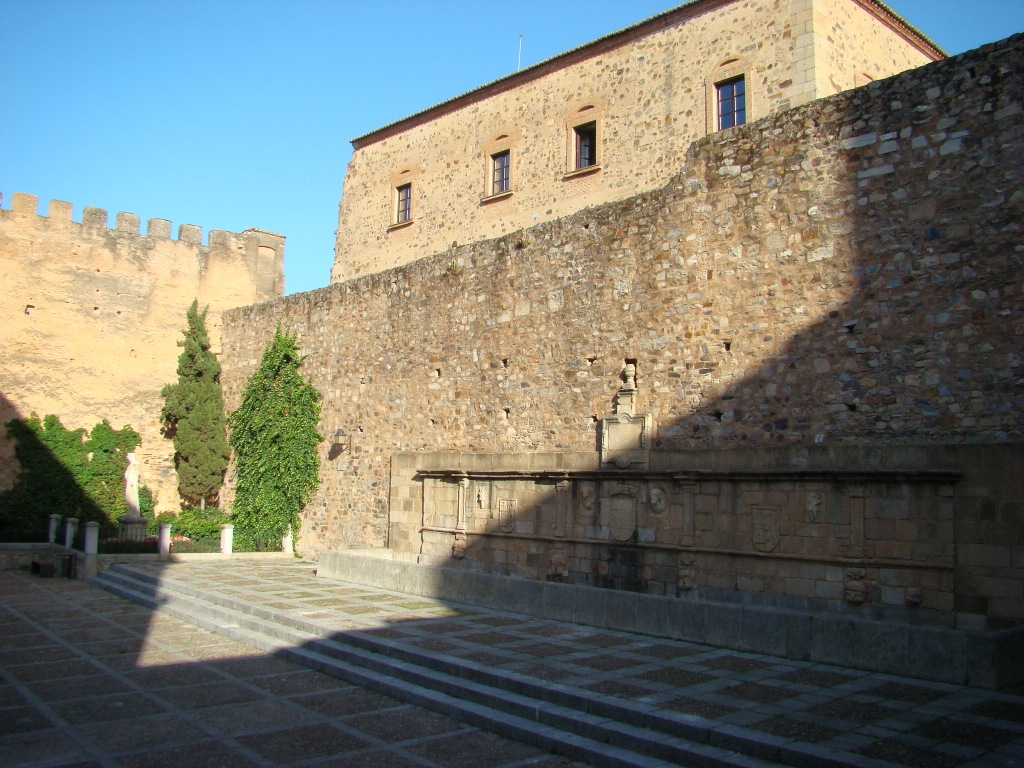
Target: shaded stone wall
92,316
846,273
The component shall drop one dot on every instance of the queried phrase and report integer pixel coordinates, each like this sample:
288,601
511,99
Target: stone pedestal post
227,535
165,541
70,529
54,527
92,548
288,542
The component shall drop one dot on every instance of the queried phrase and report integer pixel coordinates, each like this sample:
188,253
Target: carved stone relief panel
689,502
814,502
658,500
855,590
558,564
622,502
687,573
460,545
465,502
625,440
765,528
586,500
482,497
563,508
856,494
507,511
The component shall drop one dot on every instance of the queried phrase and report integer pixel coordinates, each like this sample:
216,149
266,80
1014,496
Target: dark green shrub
193,415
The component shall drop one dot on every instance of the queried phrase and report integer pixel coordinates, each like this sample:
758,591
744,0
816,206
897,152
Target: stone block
621,610
937,654
591,606
558,601
832,639
652,615
723,624
454,584
518,595
687,620
763,630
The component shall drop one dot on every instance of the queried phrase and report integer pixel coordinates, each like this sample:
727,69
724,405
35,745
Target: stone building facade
602,122
793,373
94,314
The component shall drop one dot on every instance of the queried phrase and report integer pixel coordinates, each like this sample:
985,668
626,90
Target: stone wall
650,90
843,274
93,316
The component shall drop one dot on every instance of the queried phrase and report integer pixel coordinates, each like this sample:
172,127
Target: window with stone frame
732,102
403,204
586,145
501,172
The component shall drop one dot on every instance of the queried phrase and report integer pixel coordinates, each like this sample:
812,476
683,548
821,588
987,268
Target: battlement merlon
59,216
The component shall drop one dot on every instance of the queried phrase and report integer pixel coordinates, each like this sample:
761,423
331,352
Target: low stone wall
986,659
15,556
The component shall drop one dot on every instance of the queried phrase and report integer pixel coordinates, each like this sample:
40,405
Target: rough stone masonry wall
650,96
848,272
92,317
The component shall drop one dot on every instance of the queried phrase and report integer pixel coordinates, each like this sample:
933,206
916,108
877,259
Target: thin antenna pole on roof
519,61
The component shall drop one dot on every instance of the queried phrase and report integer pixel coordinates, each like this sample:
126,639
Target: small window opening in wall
501,180
504,362
732,103
507,412
437,373
586,145
727,343
403,204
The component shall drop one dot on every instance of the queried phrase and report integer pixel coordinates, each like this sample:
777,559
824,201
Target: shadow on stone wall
40,485
903,203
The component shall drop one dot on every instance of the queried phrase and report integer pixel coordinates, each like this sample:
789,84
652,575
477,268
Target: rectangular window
586,145
403,204
732,103
501,181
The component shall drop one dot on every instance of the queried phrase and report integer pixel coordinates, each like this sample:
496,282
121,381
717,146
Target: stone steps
556,718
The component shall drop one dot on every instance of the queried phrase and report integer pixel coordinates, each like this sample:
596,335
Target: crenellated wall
92,315
843,275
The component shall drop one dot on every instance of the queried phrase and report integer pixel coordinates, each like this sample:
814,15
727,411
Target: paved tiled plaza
90,677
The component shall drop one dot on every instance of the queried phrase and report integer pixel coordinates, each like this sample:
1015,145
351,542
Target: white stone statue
131,486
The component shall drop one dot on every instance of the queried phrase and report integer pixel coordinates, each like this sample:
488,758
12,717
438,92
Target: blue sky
238,113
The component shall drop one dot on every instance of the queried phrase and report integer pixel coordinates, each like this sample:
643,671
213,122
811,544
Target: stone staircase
597,730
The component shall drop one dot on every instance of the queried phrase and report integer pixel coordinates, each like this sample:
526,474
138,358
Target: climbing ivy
69,473
274,437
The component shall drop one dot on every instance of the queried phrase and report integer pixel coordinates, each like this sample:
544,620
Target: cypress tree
193,415
274,436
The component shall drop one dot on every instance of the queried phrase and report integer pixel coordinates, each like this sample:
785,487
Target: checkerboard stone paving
877,716
172,674
88,679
